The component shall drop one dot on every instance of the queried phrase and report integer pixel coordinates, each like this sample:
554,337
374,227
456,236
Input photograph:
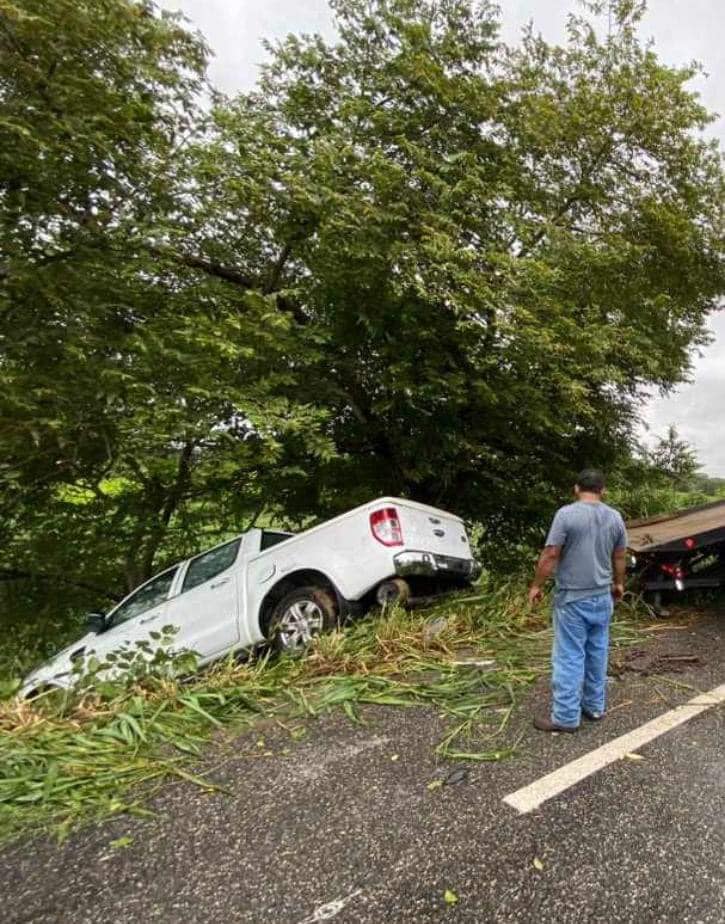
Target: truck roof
647,534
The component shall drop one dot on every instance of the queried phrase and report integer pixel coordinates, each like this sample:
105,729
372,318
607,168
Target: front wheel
299,616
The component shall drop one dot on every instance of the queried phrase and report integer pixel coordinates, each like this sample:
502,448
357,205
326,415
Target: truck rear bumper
687,583
428,564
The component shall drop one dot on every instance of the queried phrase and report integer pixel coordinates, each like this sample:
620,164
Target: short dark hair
590,479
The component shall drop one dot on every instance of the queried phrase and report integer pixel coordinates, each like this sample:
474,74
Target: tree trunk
163,503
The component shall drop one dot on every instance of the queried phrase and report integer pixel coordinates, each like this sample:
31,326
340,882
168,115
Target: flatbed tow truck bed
674,529
681,550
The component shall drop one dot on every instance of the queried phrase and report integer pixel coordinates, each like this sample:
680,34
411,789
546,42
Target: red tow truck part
681,550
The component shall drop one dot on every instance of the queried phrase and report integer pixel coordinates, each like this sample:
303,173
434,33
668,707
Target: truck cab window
145,598
270,538
206,566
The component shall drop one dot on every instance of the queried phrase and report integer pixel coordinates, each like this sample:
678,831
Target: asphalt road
343,826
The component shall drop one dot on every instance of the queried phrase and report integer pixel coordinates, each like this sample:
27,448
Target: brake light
385,526
690,543
674,570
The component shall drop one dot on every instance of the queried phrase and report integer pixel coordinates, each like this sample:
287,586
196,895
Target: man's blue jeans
579,658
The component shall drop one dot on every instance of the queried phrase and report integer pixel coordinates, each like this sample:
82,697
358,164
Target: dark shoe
544,723
593,716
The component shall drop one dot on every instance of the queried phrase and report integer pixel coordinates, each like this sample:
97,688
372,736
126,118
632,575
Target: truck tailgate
429,530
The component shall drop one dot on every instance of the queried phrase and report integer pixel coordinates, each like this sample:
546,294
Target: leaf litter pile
66,758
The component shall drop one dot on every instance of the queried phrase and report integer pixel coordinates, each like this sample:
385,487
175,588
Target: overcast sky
683,30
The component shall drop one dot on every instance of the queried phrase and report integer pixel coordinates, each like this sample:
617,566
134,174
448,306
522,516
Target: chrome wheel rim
298,624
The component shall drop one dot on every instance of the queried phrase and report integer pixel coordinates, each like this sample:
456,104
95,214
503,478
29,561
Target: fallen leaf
459,775
450,897
434,784
121,842
538,863
633,757
393,756
433,629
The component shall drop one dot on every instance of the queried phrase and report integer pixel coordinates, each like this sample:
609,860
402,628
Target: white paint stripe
531,797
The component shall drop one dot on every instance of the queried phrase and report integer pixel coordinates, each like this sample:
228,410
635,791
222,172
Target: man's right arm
549,558
545,568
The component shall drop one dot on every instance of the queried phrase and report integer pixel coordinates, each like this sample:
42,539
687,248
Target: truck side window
149,595
270,538
206,566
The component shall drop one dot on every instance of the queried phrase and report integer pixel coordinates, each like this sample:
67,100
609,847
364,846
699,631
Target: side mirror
95,622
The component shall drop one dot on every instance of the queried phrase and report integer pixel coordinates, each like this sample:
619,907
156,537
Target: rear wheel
299,616
393,591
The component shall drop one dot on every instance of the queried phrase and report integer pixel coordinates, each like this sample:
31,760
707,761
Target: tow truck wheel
396,590
299,616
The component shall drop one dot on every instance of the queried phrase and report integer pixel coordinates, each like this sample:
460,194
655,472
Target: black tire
395,590
299,616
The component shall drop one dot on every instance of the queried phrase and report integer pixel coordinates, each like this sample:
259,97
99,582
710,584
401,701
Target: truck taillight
385,526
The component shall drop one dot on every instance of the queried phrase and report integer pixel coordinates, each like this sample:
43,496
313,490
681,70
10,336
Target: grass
69,759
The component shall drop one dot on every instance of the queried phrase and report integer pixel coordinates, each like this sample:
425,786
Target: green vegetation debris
66,758
121,842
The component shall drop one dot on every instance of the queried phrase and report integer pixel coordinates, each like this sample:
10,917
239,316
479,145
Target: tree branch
242,280
210,267
277,270
571,200
17,574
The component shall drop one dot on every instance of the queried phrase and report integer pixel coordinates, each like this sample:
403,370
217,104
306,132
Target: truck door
206,609
137,616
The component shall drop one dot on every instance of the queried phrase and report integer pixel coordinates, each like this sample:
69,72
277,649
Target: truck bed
702,524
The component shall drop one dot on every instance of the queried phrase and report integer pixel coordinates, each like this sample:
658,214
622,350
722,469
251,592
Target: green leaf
120,843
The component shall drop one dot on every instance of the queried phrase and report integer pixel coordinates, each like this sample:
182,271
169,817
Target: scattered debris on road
645,663
459,775
331,909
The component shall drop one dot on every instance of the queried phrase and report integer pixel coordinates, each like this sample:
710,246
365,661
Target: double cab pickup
278,587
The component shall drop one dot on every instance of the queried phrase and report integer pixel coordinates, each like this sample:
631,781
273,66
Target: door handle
219,583
149,619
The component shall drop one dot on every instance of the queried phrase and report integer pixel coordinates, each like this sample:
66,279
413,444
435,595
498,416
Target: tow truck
679,551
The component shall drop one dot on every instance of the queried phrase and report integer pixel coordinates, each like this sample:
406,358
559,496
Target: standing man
586,547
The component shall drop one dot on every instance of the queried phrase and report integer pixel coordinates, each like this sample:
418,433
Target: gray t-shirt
588,533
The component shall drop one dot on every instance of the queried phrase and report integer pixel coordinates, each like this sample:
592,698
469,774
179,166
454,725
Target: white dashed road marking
532,796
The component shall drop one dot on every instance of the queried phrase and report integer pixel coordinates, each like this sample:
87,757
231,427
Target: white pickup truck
280,587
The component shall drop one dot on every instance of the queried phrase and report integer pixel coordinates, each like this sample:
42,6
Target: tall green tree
412,260
674,458
502,249
144,402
